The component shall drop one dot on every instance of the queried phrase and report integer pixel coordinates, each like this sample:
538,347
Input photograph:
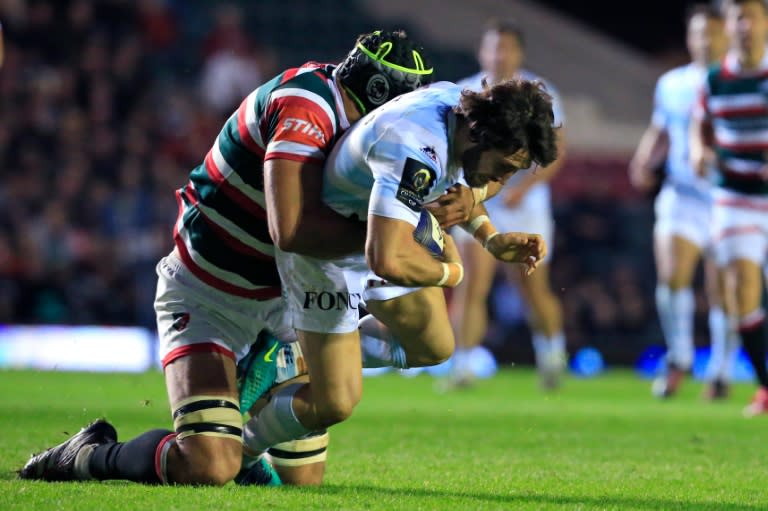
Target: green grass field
598,444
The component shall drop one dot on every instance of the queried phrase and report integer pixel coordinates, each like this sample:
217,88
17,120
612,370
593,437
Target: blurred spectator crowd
106,106
101,121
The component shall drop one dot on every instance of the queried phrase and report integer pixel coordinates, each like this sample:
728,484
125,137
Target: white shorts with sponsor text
326,295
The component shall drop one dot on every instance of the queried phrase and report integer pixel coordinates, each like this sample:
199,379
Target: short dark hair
710,10
382,65
512,115
506,26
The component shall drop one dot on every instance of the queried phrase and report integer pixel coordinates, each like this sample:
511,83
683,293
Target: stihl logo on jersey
302,126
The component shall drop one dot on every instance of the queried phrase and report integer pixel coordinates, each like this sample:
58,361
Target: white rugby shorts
740,227
193,317
685,215
326,295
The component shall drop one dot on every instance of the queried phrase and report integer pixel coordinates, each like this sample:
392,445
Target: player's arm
298,219
653,148
304,129
701,151
401,183
395,256
650,154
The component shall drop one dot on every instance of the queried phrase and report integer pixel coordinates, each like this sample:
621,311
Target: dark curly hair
512,115
381,66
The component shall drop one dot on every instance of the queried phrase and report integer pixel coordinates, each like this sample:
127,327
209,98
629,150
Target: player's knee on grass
209,430
208,461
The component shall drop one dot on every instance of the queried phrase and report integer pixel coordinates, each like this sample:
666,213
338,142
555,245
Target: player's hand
518,247
451,252
514,196
453,207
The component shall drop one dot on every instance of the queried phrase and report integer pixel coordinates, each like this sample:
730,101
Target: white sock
682,306
557,342
461,365
378,346
548,350
666,318
718,335
275,423
724,371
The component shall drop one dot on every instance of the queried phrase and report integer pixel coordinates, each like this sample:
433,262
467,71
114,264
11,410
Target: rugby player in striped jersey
730,130
220,289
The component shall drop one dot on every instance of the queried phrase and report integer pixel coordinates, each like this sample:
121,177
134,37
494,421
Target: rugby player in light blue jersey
403,155
683,212
522,205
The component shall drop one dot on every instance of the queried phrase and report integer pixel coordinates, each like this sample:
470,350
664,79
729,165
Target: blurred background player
683,212
730,130
522,205
220,287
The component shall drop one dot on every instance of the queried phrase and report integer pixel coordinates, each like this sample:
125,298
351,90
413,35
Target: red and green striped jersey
221,231
735,101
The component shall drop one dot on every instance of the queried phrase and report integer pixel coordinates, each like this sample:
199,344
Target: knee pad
217,416
311,448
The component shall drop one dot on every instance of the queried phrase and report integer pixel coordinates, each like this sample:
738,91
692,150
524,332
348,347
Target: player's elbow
286,243
284,239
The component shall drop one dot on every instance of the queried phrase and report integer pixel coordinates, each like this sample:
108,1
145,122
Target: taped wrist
481,229
453,274
488,239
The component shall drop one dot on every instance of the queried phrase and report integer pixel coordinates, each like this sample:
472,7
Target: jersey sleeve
403,176
302,126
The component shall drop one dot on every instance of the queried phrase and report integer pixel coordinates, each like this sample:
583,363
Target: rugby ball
429,234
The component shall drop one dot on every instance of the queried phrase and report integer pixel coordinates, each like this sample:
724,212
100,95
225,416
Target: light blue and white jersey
538,196
676,94
396,158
